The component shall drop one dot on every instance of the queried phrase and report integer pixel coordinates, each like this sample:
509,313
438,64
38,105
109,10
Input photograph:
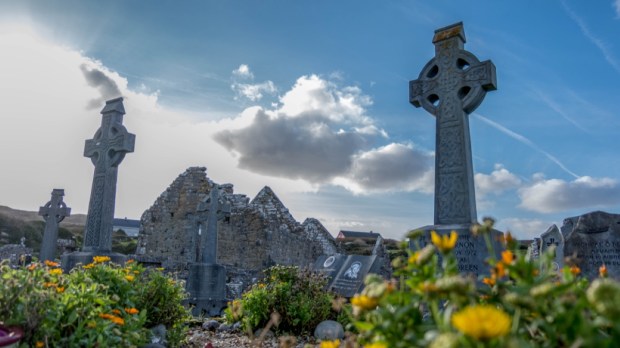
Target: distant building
131,227
353,235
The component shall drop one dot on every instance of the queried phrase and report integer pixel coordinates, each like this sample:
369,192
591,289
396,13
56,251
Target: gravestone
53,213
329,266
450,87
553,237
350,278
106,150
533,250
206,282
593,240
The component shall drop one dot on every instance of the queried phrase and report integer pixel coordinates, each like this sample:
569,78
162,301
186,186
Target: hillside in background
15,224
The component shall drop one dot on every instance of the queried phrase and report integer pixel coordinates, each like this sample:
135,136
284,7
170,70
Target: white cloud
44,122
243,71
254,92
616,5
524,228
319,132
554,195
497,182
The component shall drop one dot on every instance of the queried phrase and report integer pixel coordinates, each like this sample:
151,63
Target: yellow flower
32,266
39,344
482,322
489,281
100,259
89,266
330,344
116,311
56,271
117,320
500,269
132,311
49,285
49,263
376,345
60,289
602,271
507,257
575,270
130,261
414,258
364,302
444,242
129,278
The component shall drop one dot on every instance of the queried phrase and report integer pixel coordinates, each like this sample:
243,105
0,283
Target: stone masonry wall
258,234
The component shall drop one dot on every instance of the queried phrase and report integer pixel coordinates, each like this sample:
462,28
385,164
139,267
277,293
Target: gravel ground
199,338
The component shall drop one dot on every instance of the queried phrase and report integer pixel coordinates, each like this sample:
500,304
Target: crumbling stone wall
258,234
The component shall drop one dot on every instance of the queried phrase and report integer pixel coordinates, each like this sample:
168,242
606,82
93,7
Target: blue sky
311,98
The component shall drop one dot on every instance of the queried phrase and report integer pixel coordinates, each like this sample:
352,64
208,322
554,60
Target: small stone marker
53,213
350,278
553,237
451,86
106,150
329,330
533,250
206,282
593,241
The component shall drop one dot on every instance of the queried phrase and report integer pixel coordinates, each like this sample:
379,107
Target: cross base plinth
69,261
206,285
471,251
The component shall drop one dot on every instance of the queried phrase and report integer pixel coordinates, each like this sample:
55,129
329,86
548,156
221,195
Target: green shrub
100,304
298,296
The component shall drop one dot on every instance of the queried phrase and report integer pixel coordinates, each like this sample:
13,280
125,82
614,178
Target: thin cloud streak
555,107
525,141
596,41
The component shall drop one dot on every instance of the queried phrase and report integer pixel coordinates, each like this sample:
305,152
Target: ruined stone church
257,234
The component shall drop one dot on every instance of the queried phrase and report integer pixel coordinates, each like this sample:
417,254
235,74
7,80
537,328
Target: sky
311,99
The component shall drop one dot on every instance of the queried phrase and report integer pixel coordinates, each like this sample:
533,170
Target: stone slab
206,284
350,278
471,251
553,237
69,261
594,240
329,265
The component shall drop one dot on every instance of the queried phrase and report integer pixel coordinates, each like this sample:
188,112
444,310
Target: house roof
356,234
126,223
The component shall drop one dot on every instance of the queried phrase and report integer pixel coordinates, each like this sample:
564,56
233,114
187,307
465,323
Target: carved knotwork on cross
450,86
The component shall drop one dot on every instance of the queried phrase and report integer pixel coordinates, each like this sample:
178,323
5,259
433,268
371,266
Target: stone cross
106,150
53,213
216,211
451,86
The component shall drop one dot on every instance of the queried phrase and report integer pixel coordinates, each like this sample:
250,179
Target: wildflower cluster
517,302
96,304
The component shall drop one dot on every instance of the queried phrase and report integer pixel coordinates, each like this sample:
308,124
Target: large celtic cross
53,213
106,150
451,86
216,210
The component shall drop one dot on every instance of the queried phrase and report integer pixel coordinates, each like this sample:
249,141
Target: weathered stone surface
329,330
259,233
553,238
14,253
533,250
451,86
53,212
592,240
106,150
471,251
